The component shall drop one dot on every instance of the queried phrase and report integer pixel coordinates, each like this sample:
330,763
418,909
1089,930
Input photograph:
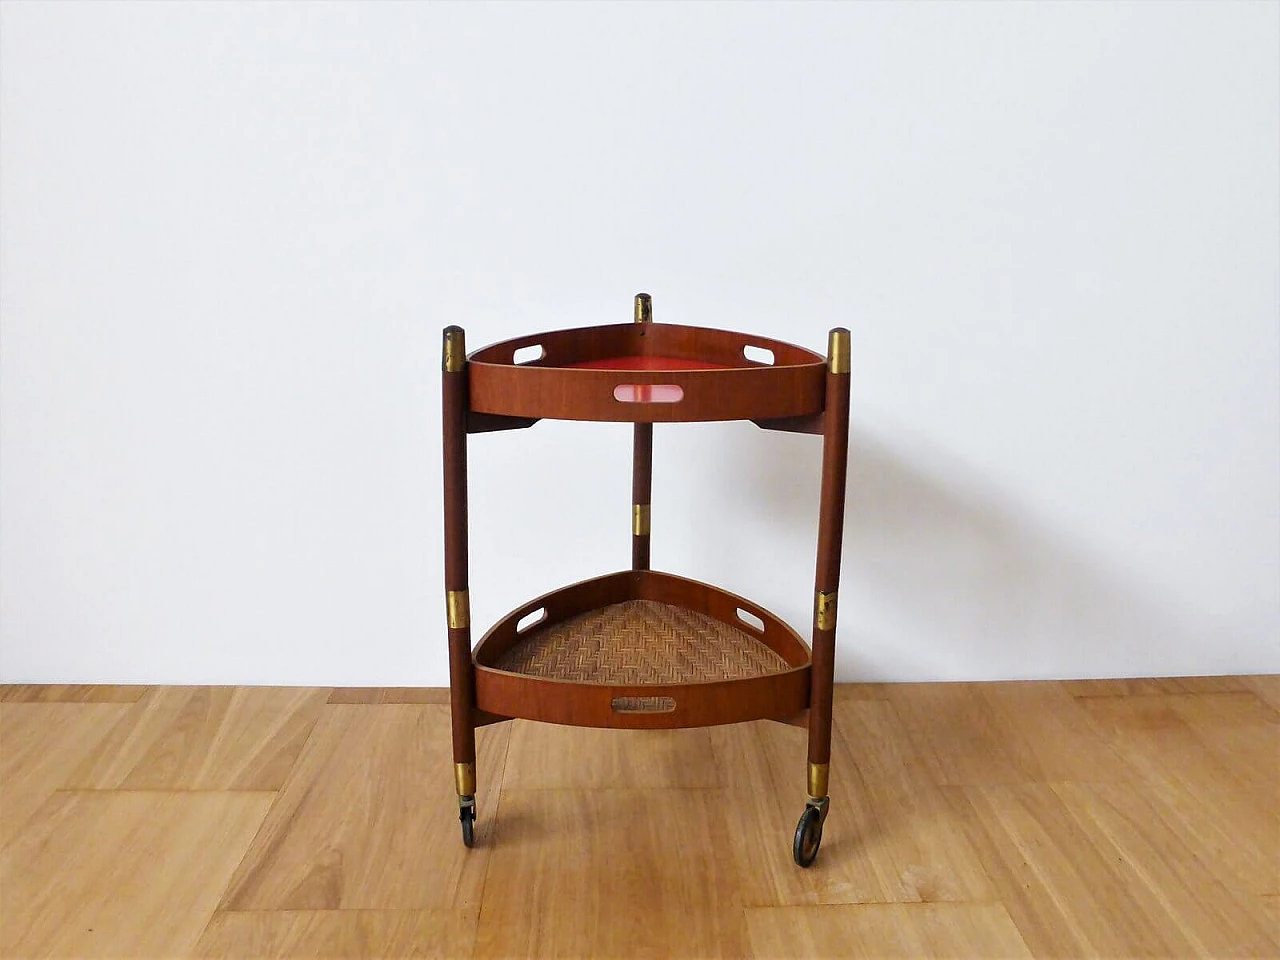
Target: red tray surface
647,363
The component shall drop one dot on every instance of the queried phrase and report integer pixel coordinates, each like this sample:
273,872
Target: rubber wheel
468,818
808,837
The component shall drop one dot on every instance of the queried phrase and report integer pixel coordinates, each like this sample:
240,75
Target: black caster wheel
467,814
808,836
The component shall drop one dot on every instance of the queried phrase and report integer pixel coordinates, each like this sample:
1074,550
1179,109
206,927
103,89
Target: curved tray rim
739,389
698,703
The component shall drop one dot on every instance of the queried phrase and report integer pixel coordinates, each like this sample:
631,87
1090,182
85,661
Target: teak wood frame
801,392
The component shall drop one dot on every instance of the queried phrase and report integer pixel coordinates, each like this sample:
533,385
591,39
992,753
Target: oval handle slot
643,704
531,619
528,354
758,354
648,393
751,620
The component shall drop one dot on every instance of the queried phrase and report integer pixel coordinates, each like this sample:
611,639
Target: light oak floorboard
762,766
1234,831
985,733
121,874
918,846
958,736
204,738
1107,824
70,693
611,873
368,818
436,695
889,836
1066,896
888,931
317,934
1048,735
1154,686
1266,688
546,756
40,745
1243,734
862,691
1164,875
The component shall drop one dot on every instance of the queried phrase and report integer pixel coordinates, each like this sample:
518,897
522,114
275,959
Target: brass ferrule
838,350
824,610
644,308
455,350
464,778
459,605
640,519
818,779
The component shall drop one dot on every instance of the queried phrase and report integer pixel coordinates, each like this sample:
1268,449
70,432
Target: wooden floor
1111,819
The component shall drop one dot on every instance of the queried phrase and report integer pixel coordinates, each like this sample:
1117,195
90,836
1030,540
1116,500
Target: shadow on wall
944,582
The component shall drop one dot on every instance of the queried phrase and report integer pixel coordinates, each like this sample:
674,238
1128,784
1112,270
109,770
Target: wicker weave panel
641,641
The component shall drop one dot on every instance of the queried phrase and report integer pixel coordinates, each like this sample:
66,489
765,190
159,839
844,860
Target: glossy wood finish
641,490
777,695
598,843
552,388
624,585
692,704
835,454
454,404
704,374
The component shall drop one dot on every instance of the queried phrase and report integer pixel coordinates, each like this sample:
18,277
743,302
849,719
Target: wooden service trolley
639,648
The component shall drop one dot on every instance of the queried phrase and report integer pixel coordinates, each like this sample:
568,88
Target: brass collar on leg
640,519
824,610
818,780
458,603
464,778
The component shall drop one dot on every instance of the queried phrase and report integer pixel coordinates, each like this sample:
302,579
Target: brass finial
644,308
838,350
455,350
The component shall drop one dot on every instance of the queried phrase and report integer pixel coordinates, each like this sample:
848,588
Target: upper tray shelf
645,373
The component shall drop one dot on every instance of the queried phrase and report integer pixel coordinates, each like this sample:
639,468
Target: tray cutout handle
648,393
530,354
758,355
751,620
531,619
643,704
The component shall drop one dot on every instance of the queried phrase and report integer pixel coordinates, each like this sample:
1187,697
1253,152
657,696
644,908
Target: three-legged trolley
642,649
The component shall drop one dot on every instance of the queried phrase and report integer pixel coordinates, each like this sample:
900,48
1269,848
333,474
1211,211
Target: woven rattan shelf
639,648
641,641
642,649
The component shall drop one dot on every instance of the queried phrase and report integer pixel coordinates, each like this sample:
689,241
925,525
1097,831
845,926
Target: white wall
232,233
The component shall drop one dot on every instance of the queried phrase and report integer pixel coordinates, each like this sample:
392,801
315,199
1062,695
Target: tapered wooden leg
641,492
462,684
641,462
835,450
